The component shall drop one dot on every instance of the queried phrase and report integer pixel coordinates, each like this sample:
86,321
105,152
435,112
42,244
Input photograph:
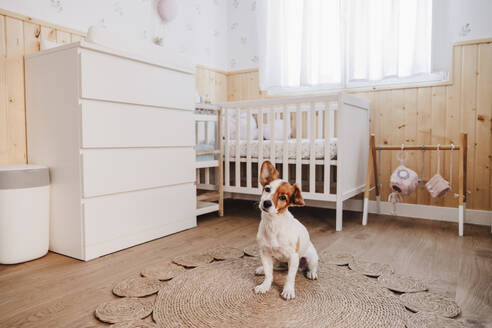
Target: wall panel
432,113
19,35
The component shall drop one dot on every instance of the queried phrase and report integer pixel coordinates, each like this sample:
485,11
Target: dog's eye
267,189
282,197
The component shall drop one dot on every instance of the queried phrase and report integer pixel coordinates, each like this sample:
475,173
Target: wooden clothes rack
372,170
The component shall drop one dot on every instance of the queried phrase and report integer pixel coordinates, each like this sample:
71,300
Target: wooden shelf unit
211,201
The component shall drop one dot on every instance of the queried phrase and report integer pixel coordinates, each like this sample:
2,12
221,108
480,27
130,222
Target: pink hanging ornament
167,10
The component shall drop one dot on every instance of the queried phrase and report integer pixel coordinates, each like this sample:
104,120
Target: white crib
325,152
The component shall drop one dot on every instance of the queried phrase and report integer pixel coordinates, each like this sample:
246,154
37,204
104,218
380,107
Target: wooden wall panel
31,37
469,114
483,156
14,70
3,97
211,84
434,113
19,35
424,136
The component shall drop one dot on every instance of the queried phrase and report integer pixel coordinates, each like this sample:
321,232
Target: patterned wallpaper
200,29
242,36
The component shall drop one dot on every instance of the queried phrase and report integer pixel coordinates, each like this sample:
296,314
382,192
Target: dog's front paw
262,289
288,293
259,271
313,275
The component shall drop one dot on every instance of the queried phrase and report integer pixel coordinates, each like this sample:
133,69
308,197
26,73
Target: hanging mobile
437,186
403,181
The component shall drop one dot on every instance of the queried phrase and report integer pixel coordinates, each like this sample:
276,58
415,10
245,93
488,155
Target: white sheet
319,149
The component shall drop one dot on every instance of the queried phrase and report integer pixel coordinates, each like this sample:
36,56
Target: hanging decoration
167,10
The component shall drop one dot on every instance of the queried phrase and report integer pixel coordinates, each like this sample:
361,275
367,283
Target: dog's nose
267,203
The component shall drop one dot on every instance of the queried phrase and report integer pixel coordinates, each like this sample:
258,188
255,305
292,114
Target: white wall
242,43
199,31
449,20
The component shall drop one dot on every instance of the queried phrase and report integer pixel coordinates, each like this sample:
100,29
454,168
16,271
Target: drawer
108,171
113,78
106,124
119,221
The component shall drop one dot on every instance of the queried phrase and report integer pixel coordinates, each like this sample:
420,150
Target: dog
281,237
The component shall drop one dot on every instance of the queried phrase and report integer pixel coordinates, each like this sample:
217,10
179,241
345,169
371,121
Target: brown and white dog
281,237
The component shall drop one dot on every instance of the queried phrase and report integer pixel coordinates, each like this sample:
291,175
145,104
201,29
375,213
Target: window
326,44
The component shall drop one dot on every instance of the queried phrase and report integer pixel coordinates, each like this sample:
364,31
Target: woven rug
220,294
339,298
225,253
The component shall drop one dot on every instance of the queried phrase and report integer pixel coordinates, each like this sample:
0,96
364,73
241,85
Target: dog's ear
296,197
268,173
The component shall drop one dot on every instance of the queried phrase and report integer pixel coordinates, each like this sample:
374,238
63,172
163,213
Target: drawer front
108,171
113,78
119,221
106,124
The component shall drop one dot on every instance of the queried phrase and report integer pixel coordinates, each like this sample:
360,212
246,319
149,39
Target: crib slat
248,151
238,153
327,166
312,133
285,162
332,122
207,175
272,135
298,146
227,150
319,117
260,143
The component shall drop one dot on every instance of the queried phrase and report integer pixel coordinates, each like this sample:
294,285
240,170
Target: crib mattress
319,148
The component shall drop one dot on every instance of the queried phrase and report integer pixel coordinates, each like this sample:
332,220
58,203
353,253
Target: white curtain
299,43
335,43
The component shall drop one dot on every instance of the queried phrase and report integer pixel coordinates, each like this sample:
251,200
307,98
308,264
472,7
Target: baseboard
427,212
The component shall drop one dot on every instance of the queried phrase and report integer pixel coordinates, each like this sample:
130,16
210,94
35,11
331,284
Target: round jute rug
221,295
225,253
252,250
124,309
371,269
401,283
134,324
137,287
162,271
431,320
336,258
193,260
430,302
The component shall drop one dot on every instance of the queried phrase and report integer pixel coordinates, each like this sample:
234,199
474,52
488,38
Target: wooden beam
413,147
207,152
462,168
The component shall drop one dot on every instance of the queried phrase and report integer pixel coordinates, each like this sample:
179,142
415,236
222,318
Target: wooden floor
57,291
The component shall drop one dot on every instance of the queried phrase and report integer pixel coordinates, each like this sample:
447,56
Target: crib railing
301,118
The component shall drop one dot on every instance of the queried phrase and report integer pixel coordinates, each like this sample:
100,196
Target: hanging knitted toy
403,181
437,185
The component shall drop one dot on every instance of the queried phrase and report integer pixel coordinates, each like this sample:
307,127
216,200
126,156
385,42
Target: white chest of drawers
117,132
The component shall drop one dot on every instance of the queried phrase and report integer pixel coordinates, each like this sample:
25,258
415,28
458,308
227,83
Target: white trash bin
24,213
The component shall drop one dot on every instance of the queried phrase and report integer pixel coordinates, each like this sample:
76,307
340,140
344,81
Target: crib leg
378,204
339,215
